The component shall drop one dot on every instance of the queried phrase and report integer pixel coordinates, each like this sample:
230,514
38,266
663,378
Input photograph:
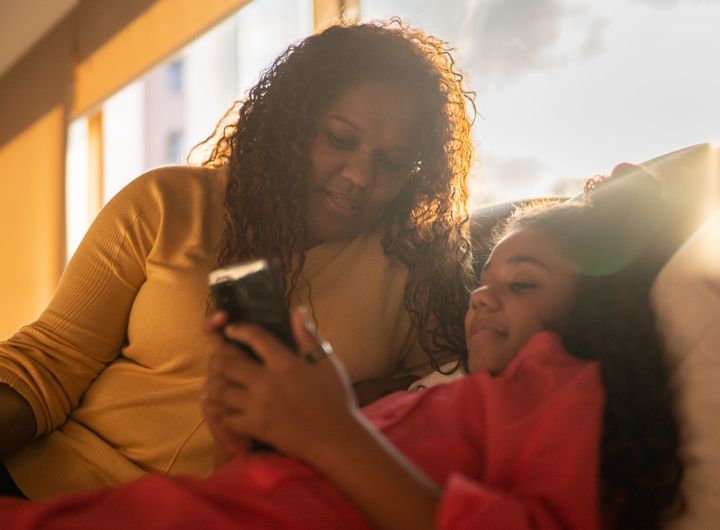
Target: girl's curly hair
615,238
265,140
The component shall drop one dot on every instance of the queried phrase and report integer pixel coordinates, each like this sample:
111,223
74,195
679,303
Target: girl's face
527,286
361,159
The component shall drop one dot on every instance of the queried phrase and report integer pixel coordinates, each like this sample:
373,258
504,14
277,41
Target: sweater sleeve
52,361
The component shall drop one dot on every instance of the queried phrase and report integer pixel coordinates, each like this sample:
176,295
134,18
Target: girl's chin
485,360
476,364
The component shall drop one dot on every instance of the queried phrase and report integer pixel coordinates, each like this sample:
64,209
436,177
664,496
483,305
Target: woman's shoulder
169,188
169,180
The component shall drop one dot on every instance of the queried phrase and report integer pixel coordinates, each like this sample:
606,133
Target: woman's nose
359,169
484,298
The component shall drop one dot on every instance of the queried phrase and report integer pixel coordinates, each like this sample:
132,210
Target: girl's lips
484,329
485,334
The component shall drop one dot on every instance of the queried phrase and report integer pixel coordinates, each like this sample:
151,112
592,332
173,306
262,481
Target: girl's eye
340,142
521,287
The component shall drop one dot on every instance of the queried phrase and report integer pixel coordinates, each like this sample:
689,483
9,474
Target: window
174,147
175,76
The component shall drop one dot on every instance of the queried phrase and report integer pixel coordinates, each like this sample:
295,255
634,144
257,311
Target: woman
347,162
565,421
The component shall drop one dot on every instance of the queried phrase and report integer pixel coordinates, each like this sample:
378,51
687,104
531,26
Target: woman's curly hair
265,141
615,238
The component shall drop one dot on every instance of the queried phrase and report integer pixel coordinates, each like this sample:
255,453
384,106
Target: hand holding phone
252,293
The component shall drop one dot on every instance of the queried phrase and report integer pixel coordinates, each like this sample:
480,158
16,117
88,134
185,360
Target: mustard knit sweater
114,366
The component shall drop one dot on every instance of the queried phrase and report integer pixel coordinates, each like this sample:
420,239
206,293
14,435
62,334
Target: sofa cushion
686,299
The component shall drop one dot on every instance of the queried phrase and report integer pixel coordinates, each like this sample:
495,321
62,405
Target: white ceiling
24,22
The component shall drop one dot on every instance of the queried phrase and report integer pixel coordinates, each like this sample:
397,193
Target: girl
565,421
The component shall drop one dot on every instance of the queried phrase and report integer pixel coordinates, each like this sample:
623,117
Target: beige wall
34,98
31,216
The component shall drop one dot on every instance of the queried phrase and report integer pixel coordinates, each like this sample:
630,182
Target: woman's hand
295,405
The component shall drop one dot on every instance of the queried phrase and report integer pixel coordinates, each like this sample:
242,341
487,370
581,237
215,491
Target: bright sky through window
569,88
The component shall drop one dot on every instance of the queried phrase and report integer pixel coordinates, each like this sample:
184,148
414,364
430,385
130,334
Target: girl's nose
484,298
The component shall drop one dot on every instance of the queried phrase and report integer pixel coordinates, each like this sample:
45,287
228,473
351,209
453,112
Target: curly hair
266,149
614,237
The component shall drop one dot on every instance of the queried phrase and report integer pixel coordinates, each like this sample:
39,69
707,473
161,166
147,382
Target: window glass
265,29
157,119
124,138
76,184
568,88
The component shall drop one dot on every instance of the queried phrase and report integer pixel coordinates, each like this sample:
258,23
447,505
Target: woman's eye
394,165
340,142
521,287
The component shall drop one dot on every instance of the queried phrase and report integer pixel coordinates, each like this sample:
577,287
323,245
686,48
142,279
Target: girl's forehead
528,245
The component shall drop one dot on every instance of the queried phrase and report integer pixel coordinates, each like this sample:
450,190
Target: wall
34,98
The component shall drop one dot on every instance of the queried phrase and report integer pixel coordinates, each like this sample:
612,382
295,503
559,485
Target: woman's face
361,158
527,286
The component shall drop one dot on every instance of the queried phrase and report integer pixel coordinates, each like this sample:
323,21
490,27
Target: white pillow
438,378
686,299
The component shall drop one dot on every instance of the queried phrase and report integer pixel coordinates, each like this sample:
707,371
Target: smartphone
252,292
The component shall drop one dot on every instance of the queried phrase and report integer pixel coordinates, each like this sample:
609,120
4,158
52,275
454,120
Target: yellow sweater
113,368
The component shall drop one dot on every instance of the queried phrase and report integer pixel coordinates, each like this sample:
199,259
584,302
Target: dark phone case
254,297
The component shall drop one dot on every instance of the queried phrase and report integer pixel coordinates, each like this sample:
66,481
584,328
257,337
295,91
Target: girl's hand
227,443
306,409
289,402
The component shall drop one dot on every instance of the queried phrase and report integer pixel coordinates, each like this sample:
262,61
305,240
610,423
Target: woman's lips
340,204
